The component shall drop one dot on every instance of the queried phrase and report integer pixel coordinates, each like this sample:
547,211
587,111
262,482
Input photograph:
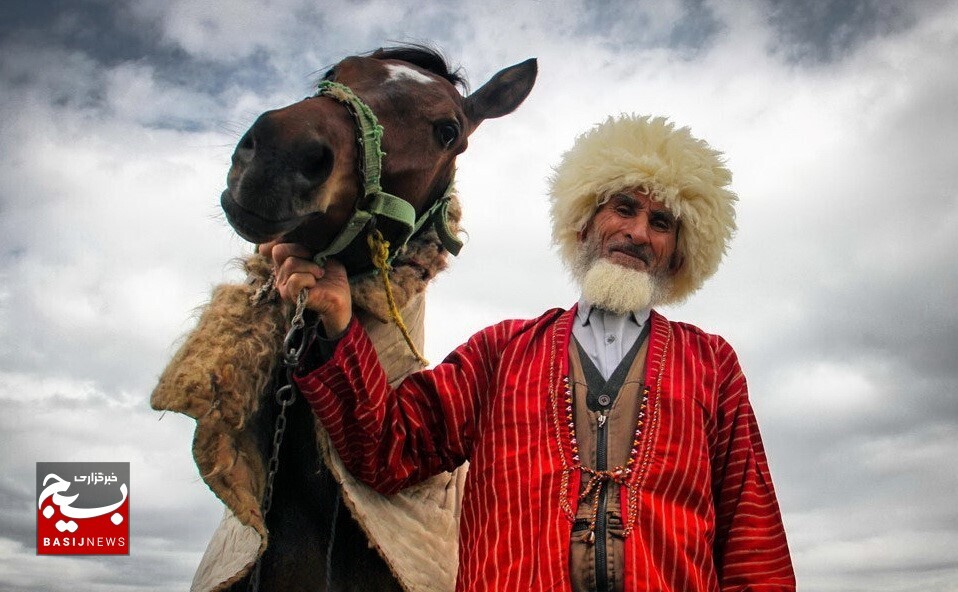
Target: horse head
298,173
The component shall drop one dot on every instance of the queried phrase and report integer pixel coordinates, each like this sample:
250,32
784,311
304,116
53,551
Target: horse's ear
503,93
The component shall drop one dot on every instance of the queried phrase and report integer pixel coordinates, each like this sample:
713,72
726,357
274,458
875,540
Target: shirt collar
585,308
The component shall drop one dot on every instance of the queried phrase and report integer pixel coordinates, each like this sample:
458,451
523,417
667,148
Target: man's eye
662,223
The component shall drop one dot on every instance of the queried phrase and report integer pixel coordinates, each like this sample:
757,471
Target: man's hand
328,286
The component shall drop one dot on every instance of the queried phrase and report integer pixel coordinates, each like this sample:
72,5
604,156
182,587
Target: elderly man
609,448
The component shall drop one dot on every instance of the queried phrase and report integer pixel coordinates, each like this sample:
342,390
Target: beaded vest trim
632,476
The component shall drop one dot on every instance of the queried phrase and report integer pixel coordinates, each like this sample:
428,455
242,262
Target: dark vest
606,413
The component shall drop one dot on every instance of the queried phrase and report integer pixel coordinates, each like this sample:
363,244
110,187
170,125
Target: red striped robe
706,519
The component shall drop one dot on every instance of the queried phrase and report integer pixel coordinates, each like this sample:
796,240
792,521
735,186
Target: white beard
616,288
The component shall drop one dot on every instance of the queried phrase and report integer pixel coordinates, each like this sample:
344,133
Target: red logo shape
83,508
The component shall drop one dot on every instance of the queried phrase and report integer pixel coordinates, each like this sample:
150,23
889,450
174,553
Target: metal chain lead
285,396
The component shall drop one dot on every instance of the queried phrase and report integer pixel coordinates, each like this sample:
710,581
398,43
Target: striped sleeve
751,551
391,438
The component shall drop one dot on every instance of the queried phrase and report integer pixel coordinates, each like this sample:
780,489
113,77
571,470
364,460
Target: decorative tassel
379,248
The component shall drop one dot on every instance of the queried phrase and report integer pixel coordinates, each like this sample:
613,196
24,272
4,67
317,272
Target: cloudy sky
839,120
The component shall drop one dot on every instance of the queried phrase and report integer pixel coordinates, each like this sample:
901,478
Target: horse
301,174
294,173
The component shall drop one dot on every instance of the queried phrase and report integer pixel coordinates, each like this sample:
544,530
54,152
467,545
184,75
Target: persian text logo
83,508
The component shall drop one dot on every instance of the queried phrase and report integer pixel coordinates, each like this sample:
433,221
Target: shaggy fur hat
681,171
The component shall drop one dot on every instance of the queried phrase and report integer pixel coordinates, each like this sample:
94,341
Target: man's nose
638,229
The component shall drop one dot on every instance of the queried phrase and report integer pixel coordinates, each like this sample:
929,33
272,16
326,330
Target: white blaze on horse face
398,72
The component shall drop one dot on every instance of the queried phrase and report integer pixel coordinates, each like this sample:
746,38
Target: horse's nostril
246,143
245,149
316,164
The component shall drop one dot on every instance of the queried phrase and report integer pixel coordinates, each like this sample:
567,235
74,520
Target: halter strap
375,202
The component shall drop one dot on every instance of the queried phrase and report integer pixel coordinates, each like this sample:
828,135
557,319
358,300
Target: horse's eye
448,133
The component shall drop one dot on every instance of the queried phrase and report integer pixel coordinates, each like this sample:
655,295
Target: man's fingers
266,249
294,265
280,252
327,287
292,285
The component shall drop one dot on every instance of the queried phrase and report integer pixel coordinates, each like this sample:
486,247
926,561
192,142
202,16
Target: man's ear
678,260
583,233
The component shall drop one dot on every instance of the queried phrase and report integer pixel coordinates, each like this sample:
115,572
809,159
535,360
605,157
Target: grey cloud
17,512
685,26
148,573
828,30
91,27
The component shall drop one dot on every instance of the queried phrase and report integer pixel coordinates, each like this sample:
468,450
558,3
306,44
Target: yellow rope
379,248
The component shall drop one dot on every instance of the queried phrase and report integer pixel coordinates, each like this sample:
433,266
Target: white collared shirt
605,336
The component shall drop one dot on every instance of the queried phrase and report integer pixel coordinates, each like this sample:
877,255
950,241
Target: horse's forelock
427,58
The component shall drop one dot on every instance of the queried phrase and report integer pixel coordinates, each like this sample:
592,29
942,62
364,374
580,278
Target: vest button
604,400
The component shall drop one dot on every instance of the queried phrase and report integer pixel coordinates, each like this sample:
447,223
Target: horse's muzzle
253,227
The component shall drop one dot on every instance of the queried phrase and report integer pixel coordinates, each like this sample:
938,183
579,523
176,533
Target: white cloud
838,292
903,561
133,93
223,30
829,391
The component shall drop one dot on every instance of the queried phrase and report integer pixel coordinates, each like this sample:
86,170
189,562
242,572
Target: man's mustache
643,252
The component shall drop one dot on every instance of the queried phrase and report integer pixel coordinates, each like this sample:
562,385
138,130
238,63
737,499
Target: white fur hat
682,172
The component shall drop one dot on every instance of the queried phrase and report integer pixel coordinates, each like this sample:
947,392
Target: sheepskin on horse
369,160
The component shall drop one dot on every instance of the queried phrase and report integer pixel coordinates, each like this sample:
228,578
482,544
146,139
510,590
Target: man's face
634,231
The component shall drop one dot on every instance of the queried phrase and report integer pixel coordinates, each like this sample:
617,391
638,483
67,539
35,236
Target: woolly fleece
683,172
217,377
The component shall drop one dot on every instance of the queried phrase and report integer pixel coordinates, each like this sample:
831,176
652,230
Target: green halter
375,202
